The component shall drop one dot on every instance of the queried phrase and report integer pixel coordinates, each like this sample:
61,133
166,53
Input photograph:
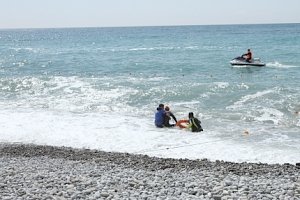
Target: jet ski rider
248,56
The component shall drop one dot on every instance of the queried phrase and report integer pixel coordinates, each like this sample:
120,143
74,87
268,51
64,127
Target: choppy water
99,88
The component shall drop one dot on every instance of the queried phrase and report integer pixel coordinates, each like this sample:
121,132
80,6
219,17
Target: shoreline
140,160
109,175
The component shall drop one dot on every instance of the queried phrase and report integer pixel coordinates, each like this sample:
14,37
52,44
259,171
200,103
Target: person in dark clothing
160,116
194,123
248,56
167,118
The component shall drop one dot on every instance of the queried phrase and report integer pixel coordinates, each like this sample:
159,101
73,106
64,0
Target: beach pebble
43,172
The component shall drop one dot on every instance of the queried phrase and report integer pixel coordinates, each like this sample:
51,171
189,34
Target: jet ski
242,61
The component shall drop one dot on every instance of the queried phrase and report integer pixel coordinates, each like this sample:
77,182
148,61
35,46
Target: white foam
29,49
249,97
243,85
221,85
192,47
270,114
93,113
64,93
154,48
135,134
280,65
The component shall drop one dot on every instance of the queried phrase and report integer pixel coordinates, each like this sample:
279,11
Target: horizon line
141,26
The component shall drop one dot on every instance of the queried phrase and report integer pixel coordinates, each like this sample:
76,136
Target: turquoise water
82,76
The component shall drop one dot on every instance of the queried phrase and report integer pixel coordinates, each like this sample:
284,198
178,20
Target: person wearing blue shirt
160,116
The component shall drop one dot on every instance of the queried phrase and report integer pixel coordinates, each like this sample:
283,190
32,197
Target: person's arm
189,125
173,116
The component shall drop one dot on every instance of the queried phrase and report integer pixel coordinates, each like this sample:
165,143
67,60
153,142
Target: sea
98,88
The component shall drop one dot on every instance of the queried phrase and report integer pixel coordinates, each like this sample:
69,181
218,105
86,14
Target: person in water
160,116
248,56
194,123
167,118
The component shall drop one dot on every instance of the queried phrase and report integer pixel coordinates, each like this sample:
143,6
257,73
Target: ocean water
98,88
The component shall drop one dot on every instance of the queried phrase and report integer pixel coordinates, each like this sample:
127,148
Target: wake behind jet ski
246,59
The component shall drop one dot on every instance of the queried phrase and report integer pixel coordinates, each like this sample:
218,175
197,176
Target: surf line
180,146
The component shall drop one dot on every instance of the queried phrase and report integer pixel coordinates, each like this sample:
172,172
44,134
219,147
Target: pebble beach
47,172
